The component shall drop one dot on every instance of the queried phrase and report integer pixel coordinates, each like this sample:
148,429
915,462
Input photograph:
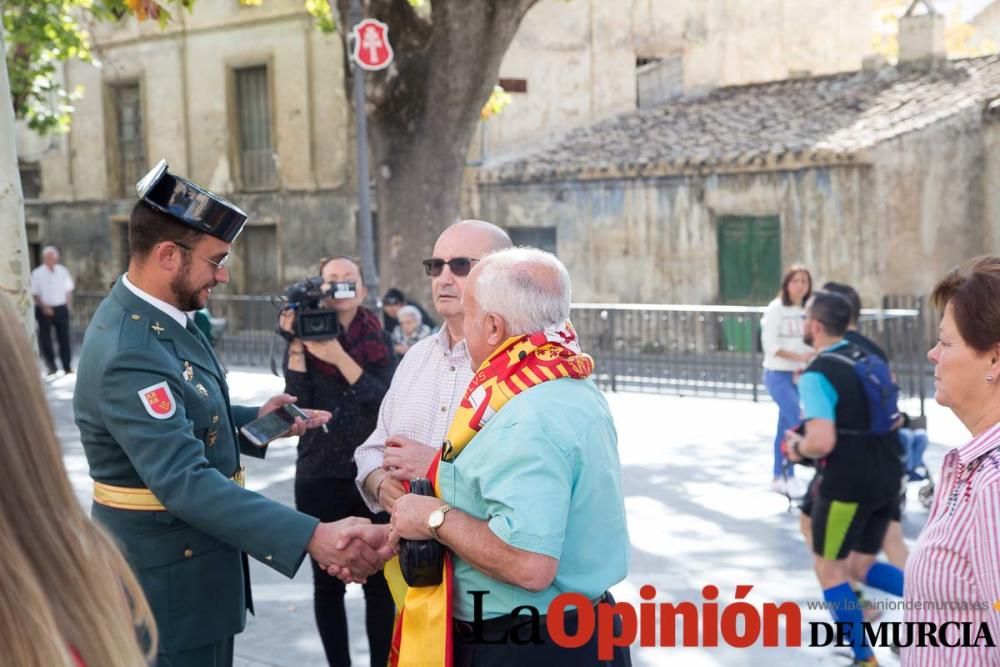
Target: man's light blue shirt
546,475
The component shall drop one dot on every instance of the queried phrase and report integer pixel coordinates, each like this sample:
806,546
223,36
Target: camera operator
346,375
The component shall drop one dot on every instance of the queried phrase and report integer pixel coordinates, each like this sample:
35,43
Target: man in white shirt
431,378
52,288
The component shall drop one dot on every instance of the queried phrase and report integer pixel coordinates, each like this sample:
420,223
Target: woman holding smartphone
347,376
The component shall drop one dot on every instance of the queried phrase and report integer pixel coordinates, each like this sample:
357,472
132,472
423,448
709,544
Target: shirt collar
444,340
840,343
981,444
173,311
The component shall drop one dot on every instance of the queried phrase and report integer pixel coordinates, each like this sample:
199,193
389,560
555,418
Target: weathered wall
184,74
655,240
927,201
579,58
987,22
991,185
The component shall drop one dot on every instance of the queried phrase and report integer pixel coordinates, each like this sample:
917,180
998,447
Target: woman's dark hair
353,260
794,269
971,289
148,227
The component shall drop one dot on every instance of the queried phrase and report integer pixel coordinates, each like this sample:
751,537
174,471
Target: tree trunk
423,112
15,276
418,189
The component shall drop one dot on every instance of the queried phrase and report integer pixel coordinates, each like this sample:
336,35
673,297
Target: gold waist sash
141,499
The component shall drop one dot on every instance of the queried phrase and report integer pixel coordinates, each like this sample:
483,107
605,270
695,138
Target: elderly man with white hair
528,483
52,289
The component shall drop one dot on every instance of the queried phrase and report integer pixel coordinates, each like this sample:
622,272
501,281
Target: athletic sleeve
817,396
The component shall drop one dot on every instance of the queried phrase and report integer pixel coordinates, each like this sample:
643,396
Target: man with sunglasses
162,439
431,378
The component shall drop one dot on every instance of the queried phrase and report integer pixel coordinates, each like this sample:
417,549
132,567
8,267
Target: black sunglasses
460,266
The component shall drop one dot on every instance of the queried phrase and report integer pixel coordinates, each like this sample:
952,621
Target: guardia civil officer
162,438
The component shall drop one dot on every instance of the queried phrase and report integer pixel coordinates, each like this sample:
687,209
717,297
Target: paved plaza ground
695,475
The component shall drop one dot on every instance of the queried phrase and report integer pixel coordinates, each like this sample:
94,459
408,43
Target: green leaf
320,10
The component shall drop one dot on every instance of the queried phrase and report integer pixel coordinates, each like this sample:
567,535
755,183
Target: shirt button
444,408
452,369
188,552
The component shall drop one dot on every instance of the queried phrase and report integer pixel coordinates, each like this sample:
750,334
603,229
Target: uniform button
268,557
215,419
137,317
188,552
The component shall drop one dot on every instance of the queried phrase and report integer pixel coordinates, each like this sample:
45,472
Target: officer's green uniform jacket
190,558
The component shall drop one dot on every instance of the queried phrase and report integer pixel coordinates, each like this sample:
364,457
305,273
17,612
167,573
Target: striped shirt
954,570
421,402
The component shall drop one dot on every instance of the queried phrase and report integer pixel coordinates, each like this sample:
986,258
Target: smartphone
273,425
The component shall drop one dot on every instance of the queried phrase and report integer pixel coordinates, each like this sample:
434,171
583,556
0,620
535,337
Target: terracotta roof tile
829,119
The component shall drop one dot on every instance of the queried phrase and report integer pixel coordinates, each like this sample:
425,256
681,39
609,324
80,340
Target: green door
749,270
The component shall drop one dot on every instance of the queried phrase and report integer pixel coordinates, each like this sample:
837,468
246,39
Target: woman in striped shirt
953,574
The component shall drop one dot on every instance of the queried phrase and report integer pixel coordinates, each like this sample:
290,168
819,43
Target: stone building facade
883,178
251,102
582,61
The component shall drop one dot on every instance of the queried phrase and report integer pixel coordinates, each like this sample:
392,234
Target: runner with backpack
850,415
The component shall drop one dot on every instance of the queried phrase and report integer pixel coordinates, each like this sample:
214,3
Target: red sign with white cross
372,50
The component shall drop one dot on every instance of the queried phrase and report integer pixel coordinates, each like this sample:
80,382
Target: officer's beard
187,296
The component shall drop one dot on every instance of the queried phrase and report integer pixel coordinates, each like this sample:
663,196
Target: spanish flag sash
422,634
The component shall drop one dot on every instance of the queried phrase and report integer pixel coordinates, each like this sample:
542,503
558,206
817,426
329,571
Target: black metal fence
675,349
714,350
247,337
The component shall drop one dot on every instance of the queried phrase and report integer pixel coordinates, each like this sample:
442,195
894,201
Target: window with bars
543,238
129,135
121,229
253,118
258,268
31,179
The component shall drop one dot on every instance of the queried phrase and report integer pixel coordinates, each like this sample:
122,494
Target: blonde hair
65,586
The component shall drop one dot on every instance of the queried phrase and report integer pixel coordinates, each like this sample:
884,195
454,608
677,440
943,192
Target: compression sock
844,607
885,577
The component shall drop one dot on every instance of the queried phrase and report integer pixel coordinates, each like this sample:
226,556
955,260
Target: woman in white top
785,354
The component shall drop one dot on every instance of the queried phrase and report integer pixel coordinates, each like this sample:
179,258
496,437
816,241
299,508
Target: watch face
436,519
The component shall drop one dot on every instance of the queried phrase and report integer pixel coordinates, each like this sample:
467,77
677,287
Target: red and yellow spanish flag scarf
422,634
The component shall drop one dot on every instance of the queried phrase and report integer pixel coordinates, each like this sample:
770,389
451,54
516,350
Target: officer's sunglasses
460,266
216,265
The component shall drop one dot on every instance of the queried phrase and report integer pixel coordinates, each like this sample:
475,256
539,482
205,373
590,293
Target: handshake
352,549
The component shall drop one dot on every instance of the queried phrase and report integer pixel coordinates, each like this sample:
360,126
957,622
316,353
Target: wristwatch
436,518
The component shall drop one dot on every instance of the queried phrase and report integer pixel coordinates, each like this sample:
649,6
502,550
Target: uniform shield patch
158,401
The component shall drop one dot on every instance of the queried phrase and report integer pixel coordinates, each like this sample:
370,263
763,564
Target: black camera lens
314,325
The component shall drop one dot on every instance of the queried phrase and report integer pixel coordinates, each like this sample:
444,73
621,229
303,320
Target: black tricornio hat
190,204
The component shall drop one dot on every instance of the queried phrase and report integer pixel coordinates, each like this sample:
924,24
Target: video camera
312,322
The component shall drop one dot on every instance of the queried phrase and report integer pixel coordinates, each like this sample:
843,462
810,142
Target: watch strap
444,509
